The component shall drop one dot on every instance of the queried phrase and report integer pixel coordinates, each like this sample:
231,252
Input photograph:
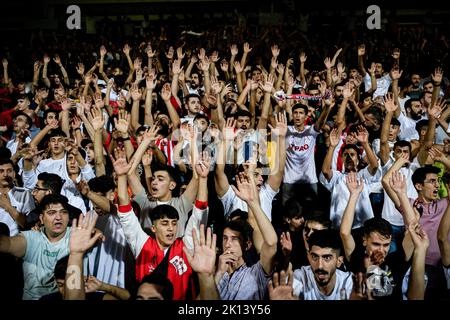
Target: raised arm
442,236
398,185
45,79
361,53
363,139
173,115
391,106
327,170
268,86
385,181
355,186
247,192
83,236
221,180
416,283
302,75
275,178
98,122
57,60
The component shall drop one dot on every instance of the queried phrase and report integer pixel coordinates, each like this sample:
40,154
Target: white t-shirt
340,196
408,130
305,286
383,85
300,164
24,206
232,202
390,213
12,144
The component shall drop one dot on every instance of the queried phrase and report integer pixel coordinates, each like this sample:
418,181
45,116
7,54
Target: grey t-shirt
39,263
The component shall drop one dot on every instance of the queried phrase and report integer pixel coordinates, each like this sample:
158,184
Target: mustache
321,271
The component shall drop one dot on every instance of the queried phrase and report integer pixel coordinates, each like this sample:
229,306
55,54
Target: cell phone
247,150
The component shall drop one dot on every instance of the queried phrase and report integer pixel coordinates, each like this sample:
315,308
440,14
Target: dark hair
201,115
395,122
53,199
192,95
21,113
318,218
102,184
163,211
173,175
61,267
46,112
376,112
410,101
51,181
164,283
4,161
420,124
293,209
85,142
300,105
243,227
5,153
327,238
238,213
420,174
56,133
378,225
403,143
354,147
242,113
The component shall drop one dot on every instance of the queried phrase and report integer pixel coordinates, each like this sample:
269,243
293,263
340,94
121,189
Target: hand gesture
136,94
126,49
275,51
53,124
166,92
122,122
372,68
435,111
335,137
362,136
83,233
234,50
194,59
150,52
237,67
361,50
437,76
303,57
103,51
389,102
281,125
5,63
46,59
289,62
354,185
150,82
396,74
436,154
36,66
228,129
245,188
176,67
83,187
92,284
203,165
340,67
180,54
66,104
280,69
396,53
328,63
170,53
268,85
347,92
204,64
215,85
247,48
76,123
147,158
203,259
419,237
224,65
215,56
80,68
150,135
281,287
397,182
286,243
97,118
121,167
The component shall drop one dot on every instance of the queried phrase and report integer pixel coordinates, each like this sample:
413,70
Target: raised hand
136,94
5,63
97,119
419,237
150,82
204,64
126,49
46,59
275,51
396,74
92,284
335,137
281,287
203,259
180,54
228,129
437,76
237,67
147,158
354,185
362,136
389,102
372,68
215,56
327,63
280,68
83,234
234,50
103,51
268,85
80,68
245,188
150,53
122,122
66,104
361,50
121,167
303,57
203,165
36,66
83,187
215,85
286,243
436,110
247,48
347,92
76,123
396,53
176,66
397,182
166,92
340,67
150,134
224,65
436,154
281,125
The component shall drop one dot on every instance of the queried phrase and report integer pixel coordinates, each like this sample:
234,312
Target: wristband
202,205
125,208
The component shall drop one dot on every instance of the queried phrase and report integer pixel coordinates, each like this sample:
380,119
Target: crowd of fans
226,164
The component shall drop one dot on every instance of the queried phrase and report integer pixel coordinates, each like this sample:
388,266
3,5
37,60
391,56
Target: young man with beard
300,178
370,256
414,113
41,250
15,203
322,280
21,124
163,252
334,180
234,279
193,106
267,190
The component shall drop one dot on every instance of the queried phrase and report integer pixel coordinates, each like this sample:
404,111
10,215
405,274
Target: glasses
40,189
433,181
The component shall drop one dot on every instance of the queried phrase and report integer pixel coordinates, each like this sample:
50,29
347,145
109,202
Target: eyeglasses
40,189
433,181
